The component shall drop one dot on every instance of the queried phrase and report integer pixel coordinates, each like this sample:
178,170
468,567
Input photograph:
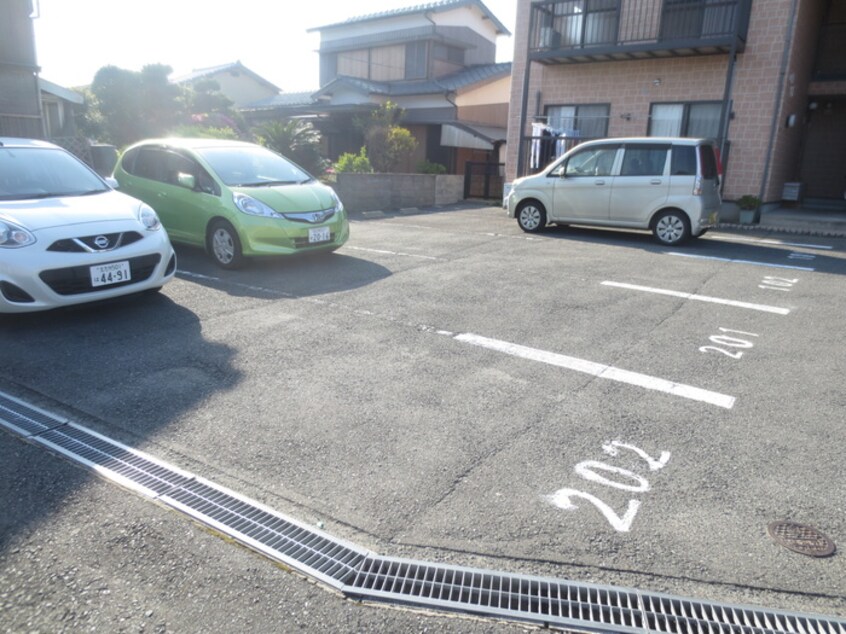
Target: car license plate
113,273
319,234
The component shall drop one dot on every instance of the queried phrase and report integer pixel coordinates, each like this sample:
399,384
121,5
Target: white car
670,186
66,237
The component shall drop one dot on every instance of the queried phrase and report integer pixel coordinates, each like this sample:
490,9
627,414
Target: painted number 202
613,477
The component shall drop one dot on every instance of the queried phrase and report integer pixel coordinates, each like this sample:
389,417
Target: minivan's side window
644,160
595,161
683,162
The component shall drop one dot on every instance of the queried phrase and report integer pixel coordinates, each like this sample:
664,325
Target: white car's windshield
252,167
30,173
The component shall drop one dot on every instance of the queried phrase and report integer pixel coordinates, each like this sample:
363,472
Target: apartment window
577,23
587,121
697,120
415,60
697,18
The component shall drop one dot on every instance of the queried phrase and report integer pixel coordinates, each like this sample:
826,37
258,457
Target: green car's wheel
224,245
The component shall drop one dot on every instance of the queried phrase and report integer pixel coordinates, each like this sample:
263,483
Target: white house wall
242,88
373,27
470,17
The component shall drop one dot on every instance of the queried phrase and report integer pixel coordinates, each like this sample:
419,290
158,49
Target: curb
804,231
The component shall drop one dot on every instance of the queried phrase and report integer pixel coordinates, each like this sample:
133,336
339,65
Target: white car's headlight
13,236
253,207
148,217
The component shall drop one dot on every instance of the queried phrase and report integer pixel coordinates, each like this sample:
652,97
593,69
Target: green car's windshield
252,167
30,173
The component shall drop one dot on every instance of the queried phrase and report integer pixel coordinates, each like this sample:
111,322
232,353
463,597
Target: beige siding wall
493,115
387,63
354,63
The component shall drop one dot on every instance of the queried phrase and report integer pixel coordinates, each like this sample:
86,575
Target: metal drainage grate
549,601
363,575
128,467
24,419
554,602
310,551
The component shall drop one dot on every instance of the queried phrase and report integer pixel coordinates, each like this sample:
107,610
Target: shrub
749,202
357,163
205,132
428,167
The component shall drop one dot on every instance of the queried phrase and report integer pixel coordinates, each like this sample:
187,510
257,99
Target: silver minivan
670,186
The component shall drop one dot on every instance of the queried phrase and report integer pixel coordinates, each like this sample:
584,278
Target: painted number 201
615,478
725,343
771,283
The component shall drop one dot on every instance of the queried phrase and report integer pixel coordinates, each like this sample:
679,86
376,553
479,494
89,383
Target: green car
235,199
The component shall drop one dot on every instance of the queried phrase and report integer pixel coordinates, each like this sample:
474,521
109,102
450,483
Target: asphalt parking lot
579,404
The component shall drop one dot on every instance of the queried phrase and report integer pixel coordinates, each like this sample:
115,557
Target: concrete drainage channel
367,576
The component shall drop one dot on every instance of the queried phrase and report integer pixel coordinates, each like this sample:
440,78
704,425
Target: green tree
134,105
116,91
161,101
296,139
204,96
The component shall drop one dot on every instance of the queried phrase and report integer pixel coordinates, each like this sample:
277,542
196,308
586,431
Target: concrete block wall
389,192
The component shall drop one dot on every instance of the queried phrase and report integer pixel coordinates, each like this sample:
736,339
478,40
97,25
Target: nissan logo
101,242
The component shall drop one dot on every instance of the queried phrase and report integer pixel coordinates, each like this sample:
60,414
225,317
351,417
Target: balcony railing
591,30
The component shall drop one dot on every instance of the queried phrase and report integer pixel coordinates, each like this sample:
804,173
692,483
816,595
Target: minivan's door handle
599,182
655,181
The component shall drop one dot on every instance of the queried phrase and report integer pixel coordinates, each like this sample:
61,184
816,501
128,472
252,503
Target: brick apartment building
766,78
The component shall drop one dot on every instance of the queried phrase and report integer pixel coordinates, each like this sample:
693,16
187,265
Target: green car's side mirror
188,181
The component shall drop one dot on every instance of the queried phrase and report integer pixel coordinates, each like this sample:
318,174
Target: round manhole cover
801,538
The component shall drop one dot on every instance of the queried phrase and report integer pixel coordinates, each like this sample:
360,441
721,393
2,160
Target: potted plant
749,206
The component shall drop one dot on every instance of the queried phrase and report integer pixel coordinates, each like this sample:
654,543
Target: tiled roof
442,5
449,83
281,100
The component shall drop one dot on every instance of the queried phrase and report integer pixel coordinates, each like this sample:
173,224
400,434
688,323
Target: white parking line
701,298
769,241
398,253
711,257
600,371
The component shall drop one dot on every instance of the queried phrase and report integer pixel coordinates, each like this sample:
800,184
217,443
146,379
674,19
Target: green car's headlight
339,206
250,205
13,236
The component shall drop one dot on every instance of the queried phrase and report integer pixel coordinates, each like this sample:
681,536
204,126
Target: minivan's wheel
671,228
531,216
224,246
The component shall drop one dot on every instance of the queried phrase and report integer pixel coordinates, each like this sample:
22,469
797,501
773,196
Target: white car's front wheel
531,216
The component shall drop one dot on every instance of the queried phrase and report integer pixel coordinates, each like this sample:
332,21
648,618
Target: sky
75,38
